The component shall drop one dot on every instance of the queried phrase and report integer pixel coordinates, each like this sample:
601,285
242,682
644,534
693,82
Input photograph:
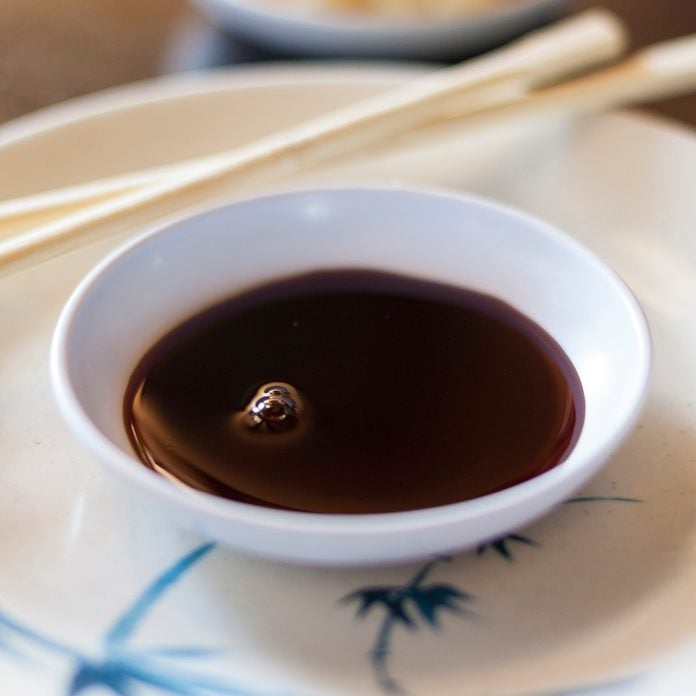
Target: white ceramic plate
93,588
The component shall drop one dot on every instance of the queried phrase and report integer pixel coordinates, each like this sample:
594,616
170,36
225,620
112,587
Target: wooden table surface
51,50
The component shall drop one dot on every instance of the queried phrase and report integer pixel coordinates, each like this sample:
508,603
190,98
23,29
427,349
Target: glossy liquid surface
414,395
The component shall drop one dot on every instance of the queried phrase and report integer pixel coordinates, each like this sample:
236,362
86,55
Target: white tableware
289,30
139,294
595,592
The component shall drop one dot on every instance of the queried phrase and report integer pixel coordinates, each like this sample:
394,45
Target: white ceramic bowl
295,32
174,271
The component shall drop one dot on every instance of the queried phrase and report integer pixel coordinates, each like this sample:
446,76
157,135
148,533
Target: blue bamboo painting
501,546
407,606
123,669
118,666
399,602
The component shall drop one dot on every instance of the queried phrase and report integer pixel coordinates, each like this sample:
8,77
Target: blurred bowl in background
295,29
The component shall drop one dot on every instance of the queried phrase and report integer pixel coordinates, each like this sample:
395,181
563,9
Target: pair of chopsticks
523,79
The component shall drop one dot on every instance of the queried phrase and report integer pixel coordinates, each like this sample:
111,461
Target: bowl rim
352,24
547,485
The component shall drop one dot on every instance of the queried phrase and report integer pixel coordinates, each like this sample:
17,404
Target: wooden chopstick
546,55
660,71
492,80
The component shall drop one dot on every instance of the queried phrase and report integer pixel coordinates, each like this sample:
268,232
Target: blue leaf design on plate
129,621
17,630
122,673
500,546
404,604
434,598
89,675
427,600
122,668
392,599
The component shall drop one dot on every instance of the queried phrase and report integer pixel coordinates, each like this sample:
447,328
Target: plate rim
236,78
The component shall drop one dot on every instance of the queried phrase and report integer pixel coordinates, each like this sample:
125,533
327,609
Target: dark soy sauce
410,394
